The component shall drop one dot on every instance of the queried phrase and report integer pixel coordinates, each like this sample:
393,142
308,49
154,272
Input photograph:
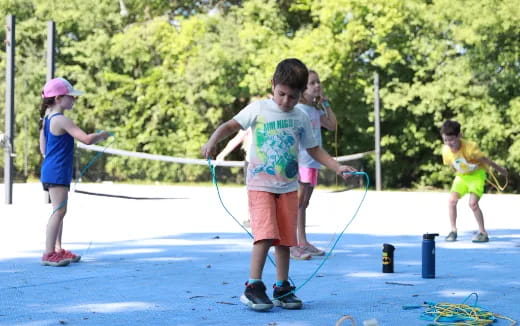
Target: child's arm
320,155
328,120
495,166
224,130
231,145
76,132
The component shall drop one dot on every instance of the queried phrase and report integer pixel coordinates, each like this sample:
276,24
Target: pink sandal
312,250
299,253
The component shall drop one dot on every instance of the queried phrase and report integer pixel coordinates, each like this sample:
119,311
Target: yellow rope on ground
474,315
513,322
448,314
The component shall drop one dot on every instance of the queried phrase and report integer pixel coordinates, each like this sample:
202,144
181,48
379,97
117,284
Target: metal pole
9,109
25,148
51,54
377,131
51,46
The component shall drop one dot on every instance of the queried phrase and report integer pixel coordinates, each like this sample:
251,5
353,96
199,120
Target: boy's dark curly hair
291,72
450,128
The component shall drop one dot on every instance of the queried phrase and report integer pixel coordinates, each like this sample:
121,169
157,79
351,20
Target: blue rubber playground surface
167,255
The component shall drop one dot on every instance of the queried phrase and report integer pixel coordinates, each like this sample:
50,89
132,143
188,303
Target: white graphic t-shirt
276,137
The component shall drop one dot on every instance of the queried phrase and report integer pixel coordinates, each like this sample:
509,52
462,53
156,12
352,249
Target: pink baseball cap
59,86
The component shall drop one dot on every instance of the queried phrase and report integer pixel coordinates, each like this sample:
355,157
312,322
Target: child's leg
258,257
282,263
57,246
452,207
59,196
473,204
476,185
283,293
304,197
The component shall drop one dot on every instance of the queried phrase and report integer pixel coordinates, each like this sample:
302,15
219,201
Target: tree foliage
164,74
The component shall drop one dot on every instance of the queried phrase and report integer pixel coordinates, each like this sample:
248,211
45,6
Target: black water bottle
388,258
428,255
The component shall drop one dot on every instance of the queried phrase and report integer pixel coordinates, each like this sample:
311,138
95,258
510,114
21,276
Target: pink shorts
274,216
308,175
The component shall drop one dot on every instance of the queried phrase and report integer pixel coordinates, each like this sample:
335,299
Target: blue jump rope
297,288
215,182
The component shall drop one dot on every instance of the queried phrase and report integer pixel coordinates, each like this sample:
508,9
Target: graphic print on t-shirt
461,165
275,147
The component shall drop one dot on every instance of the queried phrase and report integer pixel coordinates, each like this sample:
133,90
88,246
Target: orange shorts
274,216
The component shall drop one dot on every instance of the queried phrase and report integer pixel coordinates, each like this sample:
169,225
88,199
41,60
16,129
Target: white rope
183,160
158,157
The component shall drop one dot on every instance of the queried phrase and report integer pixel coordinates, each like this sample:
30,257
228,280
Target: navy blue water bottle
428,255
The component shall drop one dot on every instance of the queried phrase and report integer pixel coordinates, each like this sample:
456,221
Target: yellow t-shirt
465,160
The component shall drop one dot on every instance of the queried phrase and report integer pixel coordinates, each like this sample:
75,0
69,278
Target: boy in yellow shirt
469,164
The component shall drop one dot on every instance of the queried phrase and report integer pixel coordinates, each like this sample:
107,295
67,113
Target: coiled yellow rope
449,314
462,315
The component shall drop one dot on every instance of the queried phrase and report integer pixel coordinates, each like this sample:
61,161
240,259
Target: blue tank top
59,155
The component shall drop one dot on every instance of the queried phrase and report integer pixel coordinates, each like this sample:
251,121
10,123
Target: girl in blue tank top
57,134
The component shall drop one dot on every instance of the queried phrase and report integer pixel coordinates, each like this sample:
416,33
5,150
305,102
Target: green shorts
470,183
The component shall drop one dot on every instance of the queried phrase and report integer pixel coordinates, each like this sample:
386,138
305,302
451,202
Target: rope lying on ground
448,314
342,319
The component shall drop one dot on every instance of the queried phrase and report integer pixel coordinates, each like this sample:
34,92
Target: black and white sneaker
283,296
255,297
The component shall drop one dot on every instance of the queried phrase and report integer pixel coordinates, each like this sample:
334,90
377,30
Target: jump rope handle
111,133
353,173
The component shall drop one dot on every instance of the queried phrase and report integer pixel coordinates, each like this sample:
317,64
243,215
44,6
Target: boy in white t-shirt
272,178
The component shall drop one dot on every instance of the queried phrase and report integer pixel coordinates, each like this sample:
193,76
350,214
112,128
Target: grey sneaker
481,237
452,236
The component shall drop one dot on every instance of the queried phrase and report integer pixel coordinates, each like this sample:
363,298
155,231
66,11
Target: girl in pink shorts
316,106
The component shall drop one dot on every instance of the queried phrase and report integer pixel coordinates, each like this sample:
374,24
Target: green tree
164,74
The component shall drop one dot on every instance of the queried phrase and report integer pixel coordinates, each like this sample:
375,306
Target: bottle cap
430,236
388,247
